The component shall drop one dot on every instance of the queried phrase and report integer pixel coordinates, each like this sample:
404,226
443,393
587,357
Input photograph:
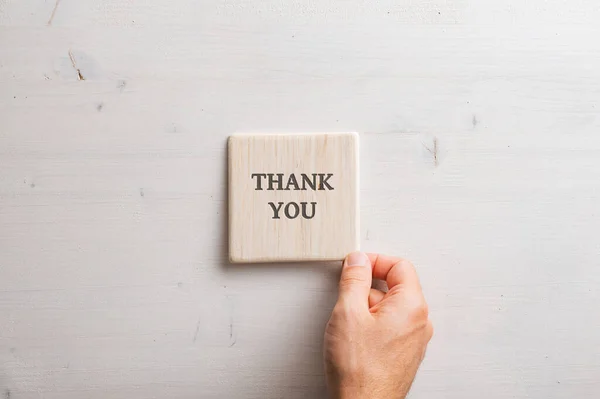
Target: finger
356,278
395,271
375,296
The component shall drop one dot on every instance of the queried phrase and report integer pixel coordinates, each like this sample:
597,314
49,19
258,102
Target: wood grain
293,197
114,272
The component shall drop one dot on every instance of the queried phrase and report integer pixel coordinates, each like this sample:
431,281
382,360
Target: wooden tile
293,197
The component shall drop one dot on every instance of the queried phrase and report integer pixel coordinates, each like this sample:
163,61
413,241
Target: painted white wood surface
480,161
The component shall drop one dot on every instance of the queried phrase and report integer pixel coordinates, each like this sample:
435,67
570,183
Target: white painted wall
113,273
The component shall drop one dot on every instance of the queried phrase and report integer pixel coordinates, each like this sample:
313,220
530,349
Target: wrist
355,389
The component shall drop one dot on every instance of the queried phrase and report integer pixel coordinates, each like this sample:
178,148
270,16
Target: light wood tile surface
293,197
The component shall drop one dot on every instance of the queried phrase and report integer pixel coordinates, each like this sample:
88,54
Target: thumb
356,279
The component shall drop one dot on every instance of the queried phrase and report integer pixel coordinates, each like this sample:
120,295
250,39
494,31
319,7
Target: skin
375,341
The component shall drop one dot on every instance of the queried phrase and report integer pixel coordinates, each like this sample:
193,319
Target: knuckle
413,302
430,331
351,278
342,311
342,324
419,311
405,263
346,313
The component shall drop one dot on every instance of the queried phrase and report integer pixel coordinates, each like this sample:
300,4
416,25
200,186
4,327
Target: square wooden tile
293,197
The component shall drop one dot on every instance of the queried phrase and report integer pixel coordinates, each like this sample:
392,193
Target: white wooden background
480,161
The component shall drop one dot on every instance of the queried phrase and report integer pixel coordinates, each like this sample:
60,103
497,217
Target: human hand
375,341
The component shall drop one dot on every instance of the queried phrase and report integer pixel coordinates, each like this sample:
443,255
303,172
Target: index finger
395,271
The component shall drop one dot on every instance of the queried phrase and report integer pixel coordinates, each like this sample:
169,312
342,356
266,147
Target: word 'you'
303,182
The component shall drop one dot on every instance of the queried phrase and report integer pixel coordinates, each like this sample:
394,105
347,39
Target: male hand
375,341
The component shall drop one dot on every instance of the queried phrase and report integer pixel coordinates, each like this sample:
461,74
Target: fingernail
357,259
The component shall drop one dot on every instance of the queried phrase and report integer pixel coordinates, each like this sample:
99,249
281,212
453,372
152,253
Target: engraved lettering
279,181
276,210
258,179
307,180
292,181
296,210
305,213
323,181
